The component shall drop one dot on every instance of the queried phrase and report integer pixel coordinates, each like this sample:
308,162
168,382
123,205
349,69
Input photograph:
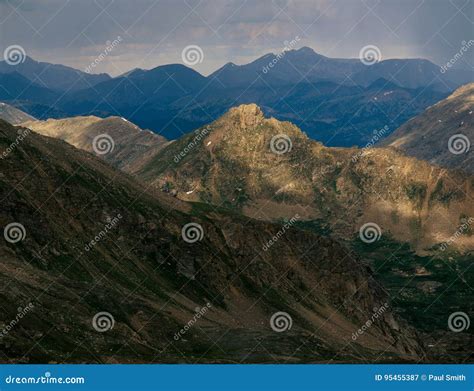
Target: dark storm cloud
75,32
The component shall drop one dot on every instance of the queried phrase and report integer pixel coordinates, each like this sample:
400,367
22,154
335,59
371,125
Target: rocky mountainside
13,115
443,134
270,170
95,268
120,142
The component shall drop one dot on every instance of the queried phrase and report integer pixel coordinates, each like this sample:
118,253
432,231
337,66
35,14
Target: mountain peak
250,109
247,114
305,52
305,49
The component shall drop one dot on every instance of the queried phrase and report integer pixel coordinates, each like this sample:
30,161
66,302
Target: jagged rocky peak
248,115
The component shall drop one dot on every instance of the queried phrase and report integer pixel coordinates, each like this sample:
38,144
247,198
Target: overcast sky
155,32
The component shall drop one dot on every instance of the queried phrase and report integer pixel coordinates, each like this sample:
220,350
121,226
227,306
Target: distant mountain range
53,76
443,134
339,102
306,66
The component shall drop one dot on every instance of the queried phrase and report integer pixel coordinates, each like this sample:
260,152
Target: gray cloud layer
154,32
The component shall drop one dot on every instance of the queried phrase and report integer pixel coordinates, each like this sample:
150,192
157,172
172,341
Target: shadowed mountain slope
66,266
